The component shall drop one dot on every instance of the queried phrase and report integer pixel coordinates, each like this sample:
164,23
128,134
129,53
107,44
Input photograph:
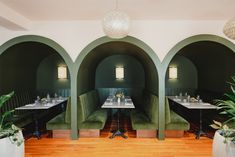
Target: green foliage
7,128
227,107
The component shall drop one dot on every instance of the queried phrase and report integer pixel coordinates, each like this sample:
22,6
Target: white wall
161,36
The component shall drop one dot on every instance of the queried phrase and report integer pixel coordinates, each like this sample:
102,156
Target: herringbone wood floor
187,146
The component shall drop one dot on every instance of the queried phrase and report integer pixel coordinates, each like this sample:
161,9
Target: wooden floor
187,146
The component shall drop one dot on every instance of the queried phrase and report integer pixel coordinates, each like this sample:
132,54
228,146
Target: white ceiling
137,9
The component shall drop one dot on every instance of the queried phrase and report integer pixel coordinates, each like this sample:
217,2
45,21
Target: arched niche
27,52
212,56
95,52
21,57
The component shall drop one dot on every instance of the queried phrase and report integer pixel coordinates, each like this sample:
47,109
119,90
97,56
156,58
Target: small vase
119,100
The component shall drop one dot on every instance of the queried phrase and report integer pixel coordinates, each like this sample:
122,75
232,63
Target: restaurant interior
79,81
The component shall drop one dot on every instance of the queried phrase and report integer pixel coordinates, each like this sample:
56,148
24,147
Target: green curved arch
128,39
193,39
89,48
39,39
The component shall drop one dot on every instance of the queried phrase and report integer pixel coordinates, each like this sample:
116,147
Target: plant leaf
4,98
214,126
217,123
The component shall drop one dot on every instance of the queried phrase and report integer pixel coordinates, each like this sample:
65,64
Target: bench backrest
87,103
151,107
17,100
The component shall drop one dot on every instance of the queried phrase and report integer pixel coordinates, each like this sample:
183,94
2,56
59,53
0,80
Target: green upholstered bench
145,119
175,124
91,118
60,125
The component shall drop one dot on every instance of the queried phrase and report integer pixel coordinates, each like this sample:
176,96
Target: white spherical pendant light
229,29
116,24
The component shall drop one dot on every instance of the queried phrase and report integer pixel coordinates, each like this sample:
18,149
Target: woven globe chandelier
229,29
116,24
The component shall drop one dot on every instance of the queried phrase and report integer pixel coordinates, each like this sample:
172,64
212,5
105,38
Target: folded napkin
60,100
185,103
177,99
30,105
205,104
49,104
108,103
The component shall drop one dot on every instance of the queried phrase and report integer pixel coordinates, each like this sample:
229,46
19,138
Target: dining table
113,103
194,104
39,106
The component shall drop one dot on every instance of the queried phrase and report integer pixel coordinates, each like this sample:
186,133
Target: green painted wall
133,73
18,66
215,63
19,69
47,81
86,74
187,80
132,84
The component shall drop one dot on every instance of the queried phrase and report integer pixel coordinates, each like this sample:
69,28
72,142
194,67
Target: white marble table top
111,102
41,106
192,105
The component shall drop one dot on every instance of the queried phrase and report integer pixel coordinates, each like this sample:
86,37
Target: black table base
118,131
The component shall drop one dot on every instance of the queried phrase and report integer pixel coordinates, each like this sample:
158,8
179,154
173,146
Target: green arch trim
86,51
39,39
127,39
193,39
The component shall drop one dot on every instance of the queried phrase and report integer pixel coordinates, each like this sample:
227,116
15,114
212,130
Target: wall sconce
173,73
119,73
62,72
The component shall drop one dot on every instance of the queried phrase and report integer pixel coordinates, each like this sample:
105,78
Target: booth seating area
91,119
144,119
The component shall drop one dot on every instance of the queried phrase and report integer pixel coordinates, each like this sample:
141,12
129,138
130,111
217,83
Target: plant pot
221,149
9,149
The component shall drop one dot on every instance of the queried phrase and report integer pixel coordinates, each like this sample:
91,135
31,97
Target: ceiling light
116,24
229,28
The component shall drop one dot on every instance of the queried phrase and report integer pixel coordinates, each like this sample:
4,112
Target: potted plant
224,139
11,138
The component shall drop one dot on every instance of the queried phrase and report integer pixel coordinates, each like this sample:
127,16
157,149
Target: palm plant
7,128
227,107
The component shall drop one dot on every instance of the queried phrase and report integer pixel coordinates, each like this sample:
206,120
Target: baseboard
89,133
146,133
174,133
61,133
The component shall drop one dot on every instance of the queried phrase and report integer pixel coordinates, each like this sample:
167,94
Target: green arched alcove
180,45
88,49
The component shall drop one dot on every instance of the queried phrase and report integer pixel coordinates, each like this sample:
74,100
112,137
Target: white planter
8,149
221,149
